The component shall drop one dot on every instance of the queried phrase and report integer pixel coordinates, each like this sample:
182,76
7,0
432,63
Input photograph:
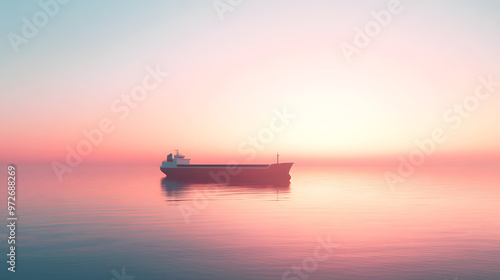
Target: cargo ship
178,167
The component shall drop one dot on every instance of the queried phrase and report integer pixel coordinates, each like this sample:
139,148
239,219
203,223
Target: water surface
105,222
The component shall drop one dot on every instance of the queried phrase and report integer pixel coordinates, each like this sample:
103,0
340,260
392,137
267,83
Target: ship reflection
182,189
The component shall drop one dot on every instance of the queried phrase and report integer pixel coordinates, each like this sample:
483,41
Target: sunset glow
226,79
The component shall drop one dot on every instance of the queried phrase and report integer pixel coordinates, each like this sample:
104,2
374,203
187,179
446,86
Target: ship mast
277,158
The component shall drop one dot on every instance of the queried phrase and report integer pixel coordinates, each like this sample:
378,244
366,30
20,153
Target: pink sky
227,79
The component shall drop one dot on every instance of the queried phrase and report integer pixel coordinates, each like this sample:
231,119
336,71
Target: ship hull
226,174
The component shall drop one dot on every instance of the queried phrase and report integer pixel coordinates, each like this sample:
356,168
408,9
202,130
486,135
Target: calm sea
128,222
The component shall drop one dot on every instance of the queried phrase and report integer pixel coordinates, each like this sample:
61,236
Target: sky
316,81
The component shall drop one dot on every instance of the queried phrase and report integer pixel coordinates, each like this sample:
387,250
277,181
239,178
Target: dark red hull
226,174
